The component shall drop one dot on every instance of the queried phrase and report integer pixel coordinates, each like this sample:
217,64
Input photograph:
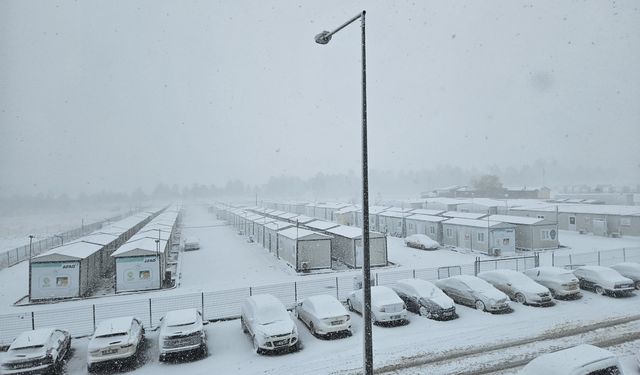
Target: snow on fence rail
597,258
14,256
225,304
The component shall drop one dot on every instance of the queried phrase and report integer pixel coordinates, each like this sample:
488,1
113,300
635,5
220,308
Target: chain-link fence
12,257
597,258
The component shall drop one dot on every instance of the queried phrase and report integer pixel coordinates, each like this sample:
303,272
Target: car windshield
27,347
112,335
271,314
181,324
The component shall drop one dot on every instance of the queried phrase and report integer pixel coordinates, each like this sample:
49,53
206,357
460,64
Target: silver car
41,351
182,333
474,292
114,341
324,315
629,270
518,287
561,283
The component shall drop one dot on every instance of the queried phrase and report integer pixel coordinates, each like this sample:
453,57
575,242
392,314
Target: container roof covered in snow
522,220
287,216
321,225
593,209
139,247
430,218
425,211
304,219
399,209
346,210
302,234
72,251
352,232
478,223
100,238
395,214
463,215
278,225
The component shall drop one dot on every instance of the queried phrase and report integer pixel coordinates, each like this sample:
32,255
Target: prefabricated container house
346,215
392,223
270,240
373,217
260,229
140,264
490,237
67,271
426,211
532,233
109,243
346,246
428,225
304,250
464,215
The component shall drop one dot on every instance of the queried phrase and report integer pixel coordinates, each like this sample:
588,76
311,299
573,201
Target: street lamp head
323,38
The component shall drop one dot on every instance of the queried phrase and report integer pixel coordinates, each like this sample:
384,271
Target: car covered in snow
191,244
421,241
475,292
424,298
579,360
629,270
324,315
182,333
37,352
386,306
561,283
115,340
269,324
604,280
518,287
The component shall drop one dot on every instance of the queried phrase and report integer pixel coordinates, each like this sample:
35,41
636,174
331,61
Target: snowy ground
226,260
583,243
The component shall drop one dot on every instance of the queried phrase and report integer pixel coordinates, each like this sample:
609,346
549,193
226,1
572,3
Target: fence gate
444,272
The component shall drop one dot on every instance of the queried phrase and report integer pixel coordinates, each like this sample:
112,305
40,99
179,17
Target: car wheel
256,347
423,312
638,284
553,293
349,305
162,358
599,290
312,328
91,368
480,305
204,350
520,298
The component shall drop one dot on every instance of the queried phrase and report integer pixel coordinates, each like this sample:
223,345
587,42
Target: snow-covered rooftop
430,218
278,225
425,211
78,250
351,232
301,234
594,209
463,215
516,219
477,223
321,225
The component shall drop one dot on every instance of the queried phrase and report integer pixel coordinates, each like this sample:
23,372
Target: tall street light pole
324,38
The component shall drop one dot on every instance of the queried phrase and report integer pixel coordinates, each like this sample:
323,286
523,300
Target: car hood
533,288
494,294
279,327
442,300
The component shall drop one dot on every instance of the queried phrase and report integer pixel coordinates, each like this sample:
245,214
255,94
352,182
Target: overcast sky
119,94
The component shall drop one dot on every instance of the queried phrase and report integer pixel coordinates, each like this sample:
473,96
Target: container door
572,223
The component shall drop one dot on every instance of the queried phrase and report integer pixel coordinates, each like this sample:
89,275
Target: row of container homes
75,269
141,263
302,241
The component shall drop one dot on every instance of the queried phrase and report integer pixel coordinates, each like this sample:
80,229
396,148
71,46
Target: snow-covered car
37,352
561,283
474,292
269,324
579,360
182,333
424,298
324,315
191,244
518,287
604,280
386,306
421,241
115,340
629,270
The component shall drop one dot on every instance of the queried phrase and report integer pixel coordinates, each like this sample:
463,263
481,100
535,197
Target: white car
269,324
421,241
604,280
562,283
579,360
424,298
115,340
191,244
39,351
518,287
629,270
182,333
386,306
474,292
324,315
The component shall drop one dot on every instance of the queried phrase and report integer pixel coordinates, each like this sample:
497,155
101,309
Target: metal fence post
202,304
553,259
150,315
250,291
414,273
377,279
33,321
337,290
94,316
295,291
570,261
598,258
624,254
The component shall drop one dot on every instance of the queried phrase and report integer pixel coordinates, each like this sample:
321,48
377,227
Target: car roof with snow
38,337
384,295
181,317
568,361
547,270
422,287
326,305
627,266
113,326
